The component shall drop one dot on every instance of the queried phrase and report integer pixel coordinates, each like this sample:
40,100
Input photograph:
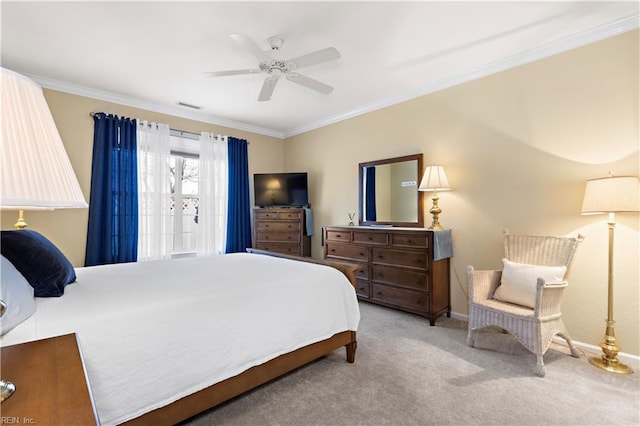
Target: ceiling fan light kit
276,68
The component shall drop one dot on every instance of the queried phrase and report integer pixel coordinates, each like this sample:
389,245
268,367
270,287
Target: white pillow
16,292
519,280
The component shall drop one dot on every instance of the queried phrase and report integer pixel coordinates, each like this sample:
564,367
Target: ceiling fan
277,68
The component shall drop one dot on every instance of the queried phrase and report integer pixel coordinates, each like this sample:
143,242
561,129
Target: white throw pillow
16,292
519,280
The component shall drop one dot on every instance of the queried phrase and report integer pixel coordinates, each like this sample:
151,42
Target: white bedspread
153,332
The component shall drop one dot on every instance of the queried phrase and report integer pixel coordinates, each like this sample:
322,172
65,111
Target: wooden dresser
398,267
281,230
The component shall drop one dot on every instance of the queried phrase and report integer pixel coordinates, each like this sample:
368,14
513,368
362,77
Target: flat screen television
280,189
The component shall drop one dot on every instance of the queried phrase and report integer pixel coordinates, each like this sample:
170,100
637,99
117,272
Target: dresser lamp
612,194
434,180
36,172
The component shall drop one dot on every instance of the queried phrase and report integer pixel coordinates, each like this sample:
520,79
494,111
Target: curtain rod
181,132
192,135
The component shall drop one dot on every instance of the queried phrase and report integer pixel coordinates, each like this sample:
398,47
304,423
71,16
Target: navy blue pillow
43,265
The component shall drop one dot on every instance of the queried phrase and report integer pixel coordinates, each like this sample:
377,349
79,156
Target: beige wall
68,228
517,147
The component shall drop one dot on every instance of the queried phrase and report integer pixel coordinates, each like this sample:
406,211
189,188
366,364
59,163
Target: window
184,194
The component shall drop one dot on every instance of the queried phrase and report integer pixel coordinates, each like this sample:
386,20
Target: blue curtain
112,235
239,209
370,194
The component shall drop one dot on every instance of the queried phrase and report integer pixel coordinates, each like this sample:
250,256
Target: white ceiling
155,54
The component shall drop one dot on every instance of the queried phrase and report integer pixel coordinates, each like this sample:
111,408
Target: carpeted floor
408,373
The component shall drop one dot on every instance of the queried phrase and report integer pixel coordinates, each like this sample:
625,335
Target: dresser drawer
363,289
409,240
278,237
339,236
278,226
292,215
406,298
401,277
292,249
410,258
344,251
380,238
266,214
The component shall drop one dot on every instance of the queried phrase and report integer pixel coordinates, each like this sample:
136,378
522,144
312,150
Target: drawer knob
379,293
370,238
333,250
361,254
338,235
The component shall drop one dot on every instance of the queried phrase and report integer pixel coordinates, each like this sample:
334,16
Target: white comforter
153,332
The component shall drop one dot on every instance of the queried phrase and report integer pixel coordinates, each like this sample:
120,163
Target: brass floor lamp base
612,367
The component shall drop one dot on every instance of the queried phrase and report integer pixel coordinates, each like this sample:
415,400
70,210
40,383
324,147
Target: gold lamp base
20,224
435,212
609,359
612,367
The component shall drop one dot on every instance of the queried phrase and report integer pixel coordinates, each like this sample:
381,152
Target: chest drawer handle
332,250
361,254
338,235
370,238
379,293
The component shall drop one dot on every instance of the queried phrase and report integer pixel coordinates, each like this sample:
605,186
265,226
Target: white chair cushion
519,280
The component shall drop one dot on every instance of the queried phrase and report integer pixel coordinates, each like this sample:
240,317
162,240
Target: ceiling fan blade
250,45
309,83
318,57
267,88
232,72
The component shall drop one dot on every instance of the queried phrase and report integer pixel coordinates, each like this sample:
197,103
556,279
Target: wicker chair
534,328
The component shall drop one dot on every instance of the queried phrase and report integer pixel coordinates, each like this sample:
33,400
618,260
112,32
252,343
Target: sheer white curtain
155,230
212,192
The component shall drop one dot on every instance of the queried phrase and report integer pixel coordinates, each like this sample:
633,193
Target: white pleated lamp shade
36,171
434,179
613,194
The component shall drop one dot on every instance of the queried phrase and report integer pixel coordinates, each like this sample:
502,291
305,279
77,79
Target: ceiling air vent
189,105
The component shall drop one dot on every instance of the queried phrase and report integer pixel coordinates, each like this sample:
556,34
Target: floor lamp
612,194
36,171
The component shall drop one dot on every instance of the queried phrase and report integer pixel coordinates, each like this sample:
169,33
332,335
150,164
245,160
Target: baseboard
631,360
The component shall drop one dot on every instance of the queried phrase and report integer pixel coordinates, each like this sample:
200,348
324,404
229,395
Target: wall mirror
388,192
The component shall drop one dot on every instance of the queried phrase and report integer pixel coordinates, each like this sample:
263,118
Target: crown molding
549,49
151,106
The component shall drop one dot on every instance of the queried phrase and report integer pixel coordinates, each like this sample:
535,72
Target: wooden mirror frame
420,206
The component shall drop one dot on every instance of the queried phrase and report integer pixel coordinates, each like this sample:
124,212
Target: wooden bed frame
218,393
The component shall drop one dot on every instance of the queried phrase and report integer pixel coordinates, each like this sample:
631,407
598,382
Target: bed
195,332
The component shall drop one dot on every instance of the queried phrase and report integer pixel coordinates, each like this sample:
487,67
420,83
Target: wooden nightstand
51,386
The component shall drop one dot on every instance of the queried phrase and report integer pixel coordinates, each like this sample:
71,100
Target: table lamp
36,172
434,180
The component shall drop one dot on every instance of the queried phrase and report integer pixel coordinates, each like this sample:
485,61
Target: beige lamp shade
434,179
614,194
36,171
